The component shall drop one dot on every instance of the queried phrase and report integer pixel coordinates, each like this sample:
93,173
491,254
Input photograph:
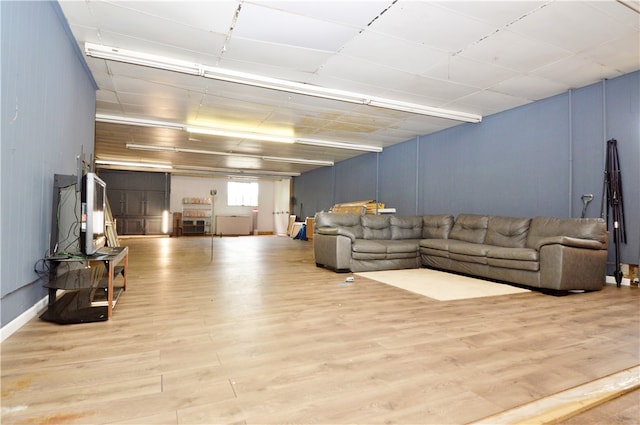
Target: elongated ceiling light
240,135
221,74
134,164
240,155
140,122
142,59
189,169
233,172
339,145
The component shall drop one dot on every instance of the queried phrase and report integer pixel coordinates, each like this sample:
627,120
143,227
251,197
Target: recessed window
240,194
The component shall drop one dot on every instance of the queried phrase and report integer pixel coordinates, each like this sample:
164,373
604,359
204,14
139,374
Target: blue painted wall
356,179
318,182
537,159
503,166
48,110
399,164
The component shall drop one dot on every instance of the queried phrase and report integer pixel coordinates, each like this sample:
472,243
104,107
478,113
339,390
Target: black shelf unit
89,293
193,227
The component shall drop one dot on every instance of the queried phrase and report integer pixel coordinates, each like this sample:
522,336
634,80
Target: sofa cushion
439,244
514,258
476,259
348,222
581,228
438,247
406,227
402,246
369,246
368,256
376,226
507,231
523,254
369,249
474,249
436,226
470,228
531,266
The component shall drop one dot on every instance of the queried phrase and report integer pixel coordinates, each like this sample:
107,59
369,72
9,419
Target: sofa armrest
565,267
334,231
569,241
333,251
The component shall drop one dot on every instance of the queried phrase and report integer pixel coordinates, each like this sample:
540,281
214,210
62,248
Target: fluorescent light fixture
134,164
115,119
299,161
233,171
221,74
424,110
239,135
339,145
254,80
151,148
334,94
234,154
143,59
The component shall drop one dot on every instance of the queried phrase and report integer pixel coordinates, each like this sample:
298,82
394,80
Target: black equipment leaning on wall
613,191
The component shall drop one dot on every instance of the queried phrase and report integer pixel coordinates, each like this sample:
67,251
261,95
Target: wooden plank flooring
260,335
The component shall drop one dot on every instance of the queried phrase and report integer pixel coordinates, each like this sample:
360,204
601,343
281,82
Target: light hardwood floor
260,335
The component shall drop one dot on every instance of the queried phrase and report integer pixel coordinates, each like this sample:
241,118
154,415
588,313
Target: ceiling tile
576,72
391,52
530,87
107,96
435,91
623,54
461,70
133,78
215,16
431,25
510,50
496,13
356,13
571,25
284,60
128,29
359,75
279,27
488,102
620,12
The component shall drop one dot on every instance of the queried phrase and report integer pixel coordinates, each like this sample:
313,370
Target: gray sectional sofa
559,254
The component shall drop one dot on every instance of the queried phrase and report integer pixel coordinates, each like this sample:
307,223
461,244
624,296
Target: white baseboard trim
625,281
21,320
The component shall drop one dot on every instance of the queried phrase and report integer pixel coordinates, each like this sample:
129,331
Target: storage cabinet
196,216
138,200
137,212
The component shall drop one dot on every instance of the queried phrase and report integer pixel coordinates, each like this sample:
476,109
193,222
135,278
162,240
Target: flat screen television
92,221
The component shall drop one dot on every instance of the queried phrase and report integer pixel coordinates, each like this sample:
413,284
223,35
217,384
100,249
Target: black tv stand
89,293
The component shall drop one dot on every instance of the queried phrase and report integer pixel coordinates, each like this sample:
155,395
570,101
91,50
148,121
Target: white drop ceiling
479,57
